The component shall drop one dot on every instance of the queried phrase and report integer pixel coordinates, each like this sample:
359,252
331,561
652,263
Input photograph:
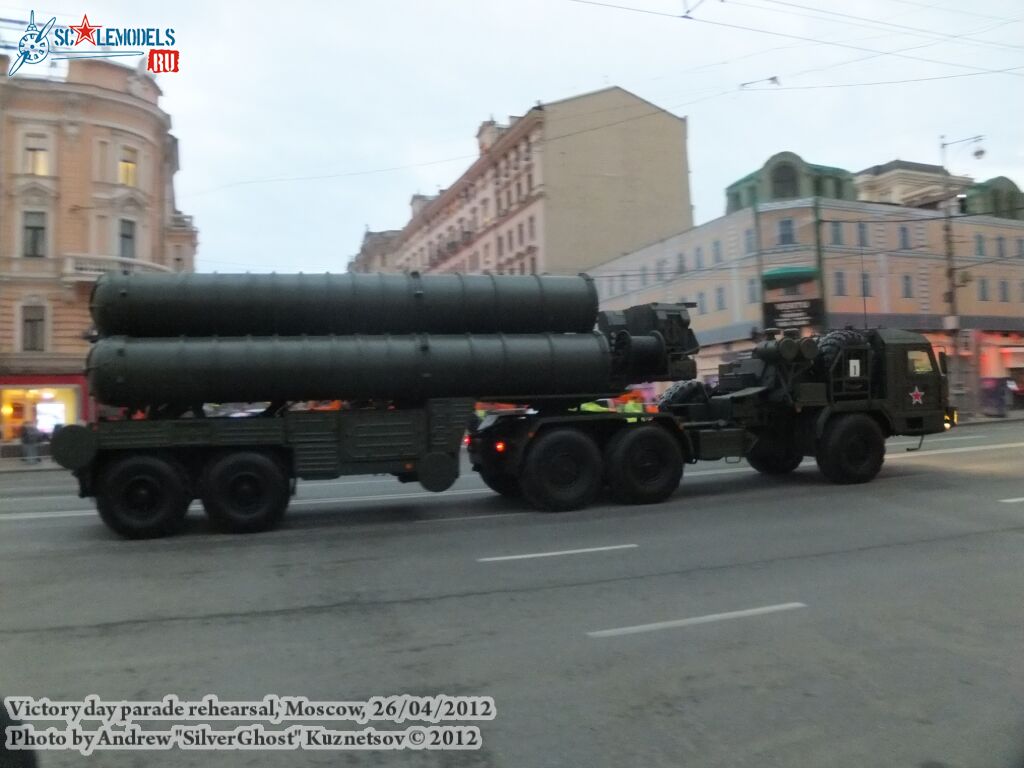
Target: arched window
783,181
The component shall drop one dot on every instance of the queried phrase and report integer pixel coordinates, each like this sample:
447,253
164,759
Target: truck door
918,398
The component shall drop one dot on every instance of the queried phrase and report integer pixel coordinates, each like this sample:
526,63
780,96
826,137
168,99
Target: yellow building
567,185
842,262
87,165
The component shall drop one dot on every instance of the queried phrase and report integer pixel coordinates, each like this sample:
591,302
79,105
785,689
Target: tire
644,465
244,492
681,392
143,496
499,482
832,343
772,455
561,471
851,450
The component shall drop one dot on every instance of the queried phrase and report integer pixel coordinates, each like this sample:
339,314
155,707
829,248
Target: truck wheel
499,482
644,465
244,492
773,456
561,471
142,496
851,450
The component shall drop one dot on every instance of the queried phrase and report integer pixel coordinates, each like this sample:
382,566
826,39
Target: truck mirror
942,362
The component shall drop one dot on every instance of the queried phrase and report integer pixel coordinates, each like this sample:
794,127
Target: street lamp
952,320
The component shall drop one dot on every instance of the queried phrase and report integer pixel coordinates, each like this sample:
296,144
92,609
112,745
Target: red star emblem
917,397
86,31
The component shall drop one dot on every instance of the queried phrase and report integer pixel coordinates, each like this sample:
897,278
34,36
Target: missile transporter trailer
405,357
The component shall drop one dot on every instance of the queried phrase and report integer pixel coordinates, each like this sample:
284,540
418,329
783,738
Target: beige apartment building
842,262
87,165
566,186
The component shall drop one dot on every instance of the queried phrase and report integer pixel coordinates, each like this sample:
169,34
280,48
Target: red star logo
917,397
86,31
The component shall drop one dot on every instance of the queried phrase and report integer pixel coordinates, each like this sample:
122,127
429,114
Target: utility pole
819,260
759,258
952,320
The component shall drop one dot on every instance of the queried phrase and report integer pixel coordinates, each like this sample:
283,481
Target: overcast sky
342,89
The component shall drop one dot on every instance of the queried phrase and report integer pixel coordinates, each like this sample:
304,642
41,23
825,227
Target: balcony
181,221
82,267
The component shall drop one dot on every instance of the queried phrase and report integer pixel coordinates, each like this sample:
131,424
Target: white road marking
388,497
695,620
931,440
470,517
45,515
1018,500
968,449
555,554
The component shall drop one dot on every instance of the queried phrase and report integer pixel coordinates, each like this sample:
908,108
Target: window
908,287
661,270
126,239
34,235
837,233
982,289
751,290
698,258
37,155
127,167
1001,247
520,232
531,228
624,284
918,361
979,245
680,263
716,250
1004,290
511,245
719,298
865,284
501,246
783,181
33,328
904,238
701,303
862,234
840,289
529,182
786,236
643,276
837,185
748,241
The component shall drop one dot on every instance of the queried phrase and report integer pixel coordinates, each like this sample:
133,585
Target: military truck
409,355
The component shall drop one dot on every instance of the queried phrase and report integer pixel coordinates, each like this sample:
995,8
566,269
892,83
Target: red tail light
499,446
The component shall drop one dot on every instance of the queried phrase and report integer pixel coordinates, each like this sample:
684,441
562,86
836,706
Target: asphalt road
749,621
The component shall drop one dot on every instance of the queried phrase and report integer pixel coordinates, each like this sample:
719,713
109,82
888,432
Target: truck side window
918,362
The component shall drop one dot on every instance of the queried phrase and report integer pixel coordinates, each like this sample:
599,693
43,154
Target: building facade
567,185
87,166
840,263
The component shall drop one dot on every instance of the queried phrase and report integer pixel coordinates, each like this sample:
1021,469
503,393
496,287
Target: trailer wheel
244,492
851,450
644,465
561,471
772,455
499,482
143,496
833,342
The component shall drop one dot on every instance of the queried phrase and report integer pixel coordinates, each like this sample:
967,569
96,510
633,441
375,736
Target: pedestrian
30,437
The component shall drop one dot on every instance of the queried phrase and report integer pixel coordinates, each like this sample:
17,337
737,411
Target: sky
302,124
